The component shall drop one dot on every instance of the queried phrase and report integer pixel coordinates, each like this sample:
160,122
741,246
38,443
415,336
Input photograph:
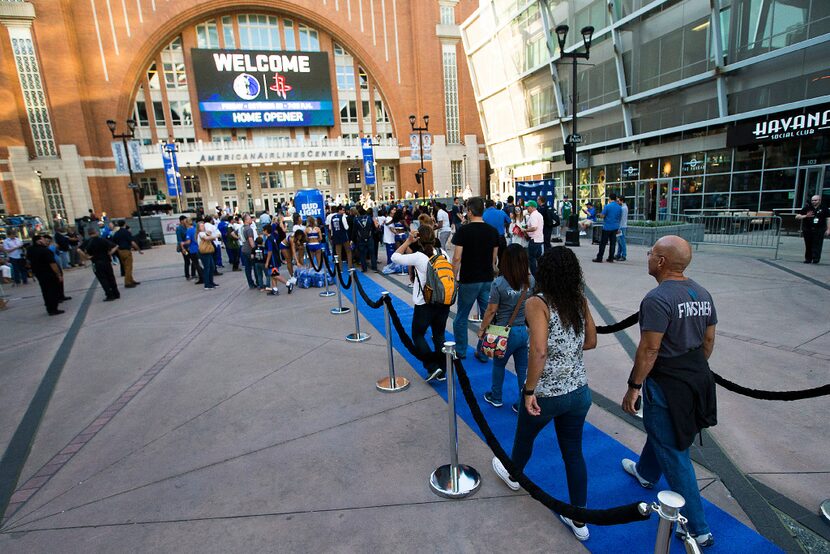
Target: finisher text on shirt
691,309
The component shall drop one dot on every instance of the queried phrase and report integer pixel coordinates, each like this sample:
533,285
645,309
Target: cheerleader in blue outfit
314,238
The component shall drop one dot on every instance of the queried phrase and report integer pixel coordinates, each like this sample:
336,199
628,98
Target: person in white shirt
385,221
265,218
13,247
442,220
432,316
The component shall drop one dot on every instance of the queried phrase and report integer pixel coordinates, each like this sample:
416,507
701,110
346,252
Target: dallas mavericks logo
246,86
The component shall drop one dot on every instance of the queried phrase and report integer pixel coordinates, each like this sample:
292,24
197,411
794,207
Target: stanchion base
825,510
338,311
327,293
468,481
384,385
357,337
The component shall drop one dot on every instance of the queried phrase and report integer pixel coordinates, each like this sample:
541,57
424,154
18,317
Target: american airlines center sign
255,88
806,122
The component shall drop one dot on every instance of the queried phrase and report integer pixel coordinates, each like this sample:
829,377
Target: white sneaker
581,533
500,470
630,467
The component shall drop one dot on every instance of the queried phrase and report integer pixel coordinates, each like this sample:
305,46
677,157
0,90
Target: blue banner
310,202
532,190
368,161
171,169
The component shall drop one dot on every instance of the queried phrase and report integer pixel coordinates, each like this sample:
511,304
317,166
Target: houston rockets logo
280,86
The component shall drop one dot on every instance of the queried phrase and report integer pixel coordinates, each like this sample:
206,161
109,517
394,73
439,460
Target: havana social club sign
814,120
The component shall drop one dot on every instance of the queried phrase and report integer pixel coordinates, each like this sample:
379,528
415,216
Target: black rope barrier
789,395
374,304
329,269
346,284
434,357
610,516
633,319
757,394
311,261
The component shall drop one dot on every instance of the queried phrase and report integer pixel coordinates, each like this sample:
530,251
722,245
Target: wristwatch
528,392
633,385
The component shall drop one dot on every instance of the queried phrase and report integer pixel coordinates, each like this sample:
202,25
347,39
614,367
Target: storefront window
288,32
693,164
259,32
719,161
777,200
746,201
649,169
670,166
691,202
746,182
717,183
781,155
779,179
746,160
815,150
227,181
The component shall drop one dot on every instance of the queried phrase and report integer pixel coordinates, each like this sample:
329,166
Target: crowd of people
502,259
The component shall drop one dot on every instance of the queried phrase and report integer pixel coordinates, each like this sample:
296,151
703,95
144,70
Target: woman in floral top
561,327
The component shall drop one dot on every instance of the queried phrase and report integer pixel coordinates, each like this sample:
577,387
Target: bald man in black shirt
47,273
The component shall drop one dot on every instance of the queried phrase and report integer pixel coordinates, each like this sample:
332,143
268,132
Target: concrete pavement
232,421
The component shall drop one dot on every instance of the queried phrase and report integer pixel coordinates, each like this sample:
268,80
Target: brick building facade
68,66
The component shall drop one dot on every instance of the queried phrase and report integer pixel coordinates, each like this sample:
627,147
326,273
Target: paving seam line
20,445
12,502
17,525
807,278
751,501
22,517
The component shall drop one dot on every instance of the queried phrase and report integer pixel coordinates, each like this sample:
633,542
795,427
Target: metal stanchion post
326,293
340,309
357,336
668,508
391,383
454,480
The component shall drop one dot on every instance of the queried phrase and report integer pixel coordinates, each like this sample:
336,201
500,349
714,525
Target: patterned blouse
564,369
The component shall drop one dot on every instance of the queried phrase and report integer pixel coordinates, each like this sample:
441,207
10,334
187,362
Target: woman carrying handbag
503,330
206,254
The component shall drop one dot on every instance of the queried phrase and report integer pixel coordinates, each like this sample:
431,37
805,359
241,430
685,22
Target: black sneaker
290,287
488,397
56,312
596,261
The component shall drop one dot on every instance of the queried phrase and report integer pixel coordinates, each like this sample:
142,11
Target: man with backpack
434,292
364,234
339,226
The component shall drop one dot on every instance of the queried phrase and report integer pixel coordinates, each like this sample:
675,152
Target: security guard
48,274
815,225
100,251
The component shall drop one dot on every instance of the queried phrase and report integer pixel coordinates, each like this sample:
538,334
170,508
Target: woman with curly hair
561,327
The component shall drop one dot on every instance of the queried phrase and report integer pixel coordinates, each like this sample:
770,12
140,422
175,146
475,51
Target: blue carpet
608,484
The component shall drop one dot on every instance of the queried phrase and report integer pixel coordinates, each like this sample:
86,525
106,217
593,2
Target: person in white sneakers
556,390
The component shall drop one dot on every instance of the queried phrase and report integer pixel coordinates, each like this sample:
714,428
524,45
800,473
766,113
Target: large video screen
255,88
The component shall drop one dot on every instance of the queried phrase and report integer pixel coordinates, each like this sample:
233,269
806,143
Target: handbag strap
516,309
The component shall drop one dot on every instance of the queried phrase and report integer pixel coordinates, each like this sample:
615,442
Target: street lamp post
133,185
421,175
574,138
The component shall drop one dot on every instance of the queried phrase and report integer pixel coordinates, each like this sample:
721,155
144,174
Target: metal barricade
738,230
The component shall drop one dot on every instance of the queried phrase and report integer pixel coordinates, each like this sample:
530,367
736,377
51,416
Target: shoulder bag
494,341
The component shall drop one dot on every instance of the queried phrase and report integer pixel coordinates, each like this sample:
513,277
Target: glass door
812,182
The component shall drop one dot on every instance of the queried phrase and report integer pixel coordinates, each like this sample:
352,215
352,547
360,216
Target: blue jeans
19,273
660,456
248,264
621,249
208,269
568,413
468,294
259,274
517,346
534,252
217,256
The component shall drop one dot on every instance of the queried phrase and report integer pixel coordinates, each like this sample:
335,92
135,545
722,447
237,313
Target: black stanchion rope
311,261
372,304
329,269
346,284
609,516
612,516
786,396
434,357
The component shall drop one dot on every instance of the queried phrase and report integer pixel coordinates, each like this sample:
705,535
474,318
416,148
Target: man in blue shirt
498,220
192,246
612,215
